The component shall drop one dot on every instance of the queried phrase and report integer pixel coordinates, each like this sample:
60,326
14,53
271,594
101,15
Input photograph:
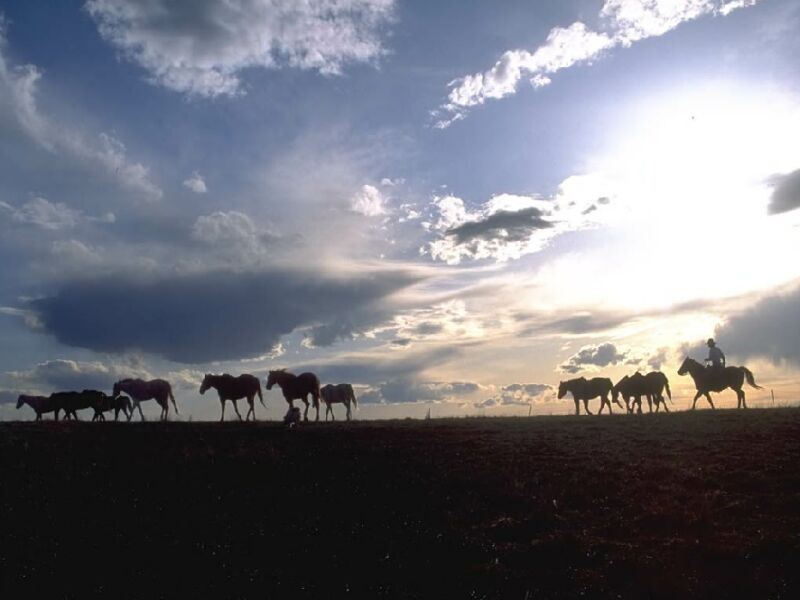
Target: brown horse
586,389
40,404
296,387
233,388
140,390
710,379
340,393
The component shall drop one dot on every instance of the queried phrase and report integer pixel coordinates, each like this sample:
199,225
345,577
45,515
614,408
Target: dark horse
296,387
140,390
107,403
633,387
72,402
40,404
342,393
233,388
586,389
710,379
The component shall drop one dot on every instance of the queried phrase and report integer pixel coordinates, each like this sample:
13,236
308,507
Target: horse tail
169,391
258,390
666,386
352,395
750,379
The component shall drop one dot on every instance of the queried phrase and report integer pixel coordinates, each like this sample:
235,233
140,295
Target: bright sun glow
690,172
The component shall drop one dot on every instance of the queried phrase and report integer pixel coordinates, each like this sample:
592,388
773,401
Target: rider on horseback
715,361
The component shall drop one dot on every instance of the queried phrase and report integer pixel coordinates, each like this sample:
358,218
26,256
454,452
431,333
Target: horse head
206,383
21,400
119,387
562,389
685,366
275,377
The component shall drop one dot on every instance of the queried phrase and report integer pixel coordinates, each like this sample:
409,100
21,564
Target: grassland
691,505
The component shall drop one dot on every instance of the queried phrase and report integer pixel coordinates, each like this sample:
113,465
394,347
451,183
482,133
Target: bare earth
690,505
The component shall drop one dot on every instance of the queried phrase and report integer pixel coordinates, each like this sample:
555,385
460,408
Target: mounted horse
296,387
341,393
234,388
40,404
586,389
712,379
140,390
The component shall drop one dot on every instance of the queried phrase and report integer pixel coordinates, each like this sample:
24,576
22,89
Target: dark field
697,505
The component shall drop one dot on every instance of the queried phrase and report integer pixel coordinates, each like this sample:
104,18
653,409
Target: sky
452,205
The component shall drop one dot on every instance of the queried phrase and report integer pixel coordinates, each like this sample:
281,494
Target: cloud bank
207,317
769,329
201,48
624,22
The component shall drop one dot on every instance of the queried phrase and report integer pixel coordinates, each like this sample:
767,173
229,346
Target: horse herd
229,388
300,387
652,386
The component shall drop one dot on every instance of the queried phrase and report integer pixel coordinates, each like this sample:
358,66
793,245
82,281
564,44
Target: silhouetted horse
40,404
140,390
340,393
108,403
710,379
296,387
71,402
657,382
651,386
586,389
233,388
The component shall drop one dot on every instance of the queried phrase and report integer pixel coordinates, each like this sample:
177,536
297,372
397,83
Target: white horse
342,393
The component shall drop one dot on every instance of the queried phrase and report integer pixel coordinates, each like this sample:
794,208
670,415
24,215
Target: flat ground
691,505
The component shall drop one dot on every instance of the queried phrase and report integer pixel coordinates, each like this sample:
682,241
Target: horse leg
139,405
696,396
251,411
236,408
305,412
708,397
577,407
649,403
222,416
586,406
349,414
740,395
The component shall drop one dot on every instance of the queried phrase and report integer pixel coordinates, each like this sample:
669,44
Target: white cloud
18,93
626,22
53,216
196,183
43,213
201,48
509,226
368,201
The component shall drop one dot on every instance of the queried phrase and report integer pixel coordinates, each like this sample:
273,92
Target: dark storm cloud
596,356
786,195
206,317
769,329
511,226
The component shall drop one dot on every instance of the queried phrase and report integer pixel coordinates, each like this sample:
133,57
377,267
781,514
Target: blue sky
452,205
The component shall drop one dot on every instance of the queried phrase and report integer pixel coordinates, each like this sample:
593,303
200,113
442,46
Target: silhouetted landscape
690,504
